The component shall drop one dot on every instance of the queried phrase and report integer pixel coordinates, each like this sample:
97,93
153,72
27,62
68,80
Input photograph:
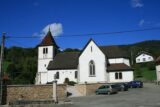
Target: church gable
91,48
92,63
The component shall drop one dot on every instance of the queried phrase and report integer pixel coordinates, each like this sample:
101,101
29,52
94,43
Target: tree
11,70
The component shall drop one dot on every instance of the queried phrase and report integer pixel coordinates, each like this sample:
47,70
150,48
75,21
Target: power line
90,34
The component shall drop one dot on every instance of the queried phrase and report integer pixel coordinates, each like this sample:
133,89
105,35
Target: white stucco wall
127,76
50,52
148,58
99,59
43,64
42,78
158,72
119,60
62,75
43,61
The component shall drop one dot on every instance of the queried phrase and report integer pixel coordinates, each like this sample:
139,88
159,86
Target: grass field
145,74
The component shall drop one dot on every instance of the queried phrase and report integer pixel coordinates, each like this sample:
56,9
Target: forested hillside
152,47
20,64
144,71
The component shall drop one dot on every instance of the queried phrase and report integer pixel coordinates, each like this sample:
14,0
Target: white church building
94,64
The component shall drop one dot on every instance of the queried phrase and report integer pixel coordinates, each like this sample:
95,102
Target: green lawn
146,74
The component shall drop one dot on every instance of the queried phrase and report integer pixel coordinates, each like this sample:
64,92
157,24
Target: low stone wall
91,88
88,89
33,92
81,88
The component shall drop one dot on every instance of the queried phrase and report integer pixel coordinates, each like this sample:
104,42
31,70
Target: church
93,64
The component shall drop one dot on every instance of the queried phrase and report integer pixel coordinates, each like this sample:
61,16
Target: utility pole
132,57
1,67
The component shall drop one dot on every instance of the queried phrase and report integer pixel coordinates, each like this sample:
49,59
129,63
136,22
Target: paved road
149,96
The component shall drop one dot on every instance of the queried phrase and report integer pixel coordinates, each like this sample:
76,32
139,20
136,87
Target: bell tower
47,50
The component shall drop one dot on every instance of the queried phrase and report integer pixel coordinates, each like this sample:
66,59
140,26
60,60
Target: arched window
91,68
76,74
120,75
57,75
116,75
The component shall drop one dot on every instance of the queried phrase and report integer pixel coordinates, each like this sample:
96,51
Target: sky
79,17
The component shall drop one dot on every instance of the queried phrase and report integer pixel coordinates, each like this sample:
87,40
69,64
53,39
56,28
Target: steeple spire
48,40
49,29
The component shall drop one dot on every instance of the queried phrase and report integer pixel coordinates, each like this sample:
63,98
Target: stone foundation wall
81,88
88,89
34,92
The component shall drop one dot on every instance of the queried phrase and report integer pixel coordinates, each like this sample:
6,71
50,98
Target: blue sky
68,17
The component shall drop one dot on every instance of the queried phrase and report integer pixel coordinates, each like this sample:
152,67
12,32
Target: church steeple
48,40
47,50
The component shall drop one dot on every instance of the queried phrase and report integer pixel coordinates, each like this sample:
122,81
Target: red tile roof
48,40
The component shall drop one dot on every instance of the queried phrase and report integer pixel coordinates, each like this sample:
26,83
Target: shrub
72,83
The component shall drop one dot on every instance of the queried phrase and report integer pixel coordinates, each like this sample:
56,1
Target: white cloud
137,3
55,28
141,22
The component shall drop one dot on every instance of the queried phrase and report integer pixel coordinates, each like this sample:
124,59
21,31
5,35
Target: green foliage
20,65
138,71
72,83
71,50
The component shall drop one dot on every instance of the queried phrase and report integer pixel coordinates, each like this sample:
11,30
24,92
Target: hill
152,46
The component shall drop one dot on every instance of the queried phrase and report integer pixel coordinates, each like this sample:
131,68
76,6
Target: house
158,69
94,64
144,57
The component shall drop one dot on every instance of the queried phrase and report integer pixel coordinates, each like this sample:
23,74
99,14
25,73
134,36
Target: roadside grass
146,74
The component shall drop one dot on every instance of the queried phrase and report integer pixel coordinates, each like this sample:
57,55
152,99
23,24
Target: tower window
45,50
